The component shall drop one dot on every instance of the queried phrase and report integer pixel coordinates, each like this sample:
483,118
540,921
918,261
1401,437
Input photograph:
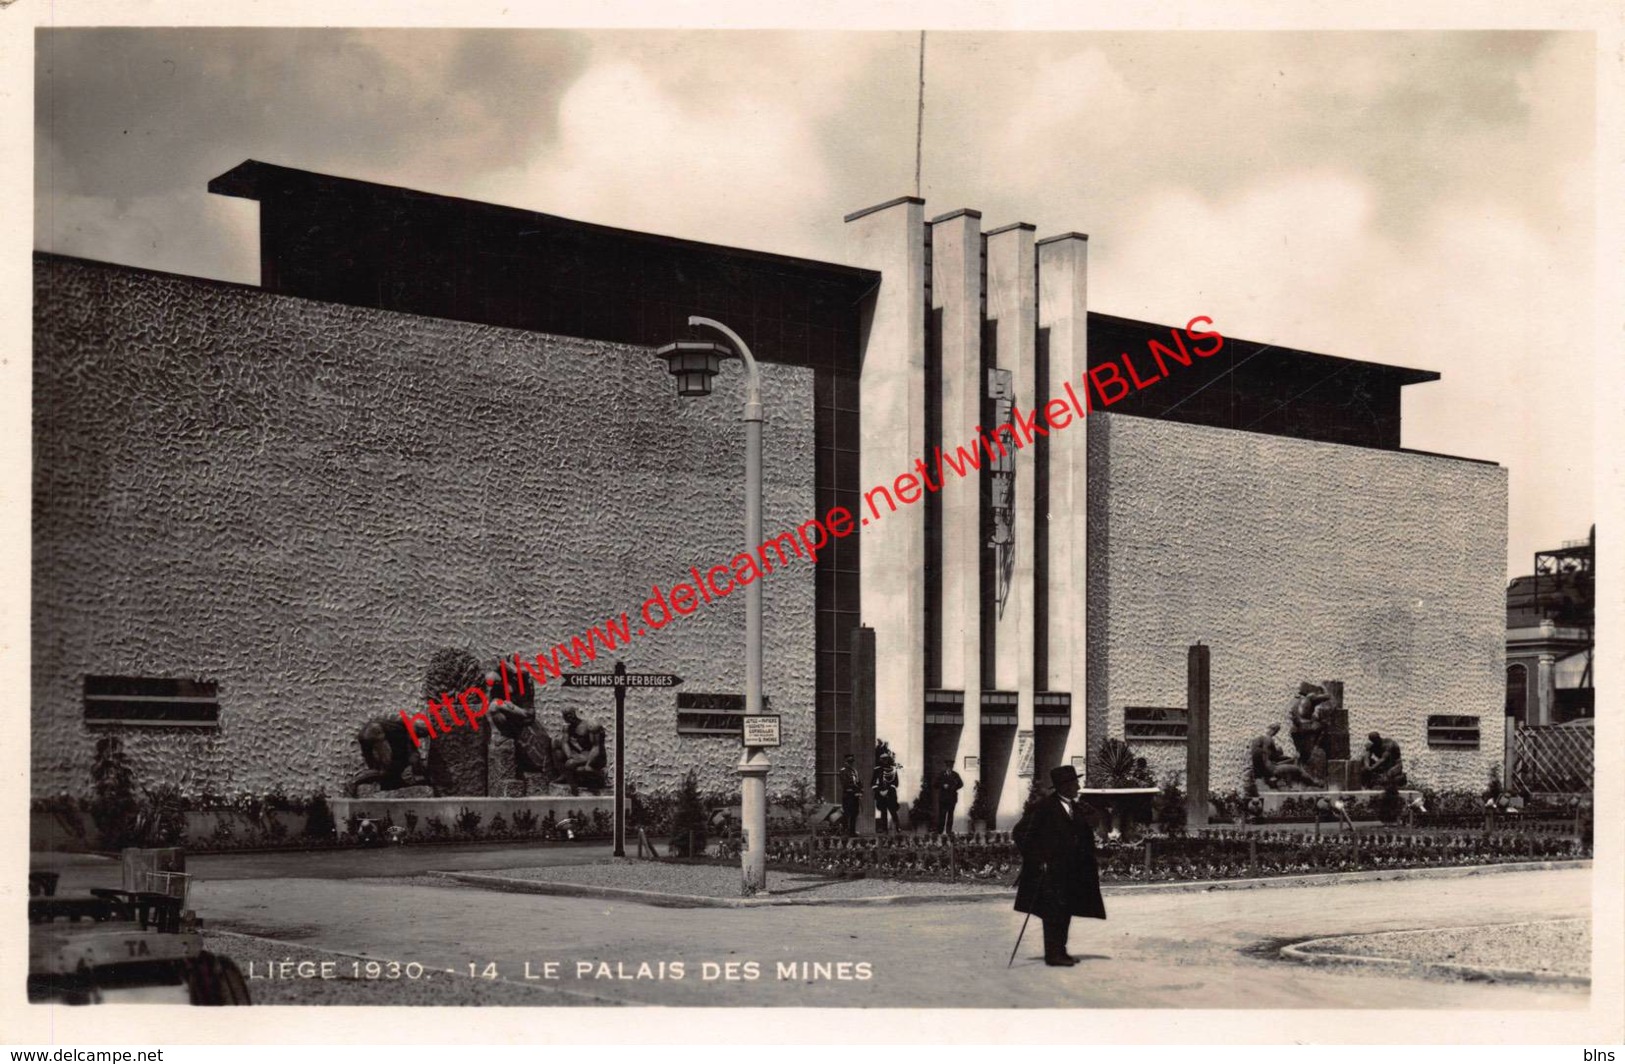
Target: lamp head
694,363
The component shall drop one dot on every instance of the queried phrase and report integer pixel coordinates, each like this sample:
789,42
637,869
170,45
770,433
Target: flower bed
1208,855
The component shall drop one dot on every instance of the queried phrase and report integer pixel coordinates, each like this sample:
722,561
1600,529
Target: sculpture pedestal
1274,800
447,808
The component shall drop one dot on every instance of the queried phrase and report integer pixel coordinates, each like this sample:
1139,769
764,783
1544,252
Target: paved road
79,872
1210,950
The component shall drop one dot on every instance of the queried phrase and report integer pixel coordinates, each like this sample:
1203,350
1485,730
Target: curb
1303,953
666,900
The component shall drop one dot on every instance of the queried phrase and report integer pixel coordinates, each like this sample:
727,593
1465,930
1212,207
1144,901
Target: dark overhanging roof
1401,375
255,180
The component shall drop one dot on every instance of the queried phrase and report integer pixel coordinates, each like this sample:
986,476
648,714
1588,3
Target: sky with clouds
1425,199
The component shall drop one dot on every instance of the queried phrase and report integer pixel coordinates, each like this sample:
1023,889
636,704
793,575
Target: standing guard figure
884,785
851,790
948,787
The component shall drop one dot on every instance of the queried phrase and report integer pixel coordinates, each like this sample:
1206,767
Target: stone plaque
1024,754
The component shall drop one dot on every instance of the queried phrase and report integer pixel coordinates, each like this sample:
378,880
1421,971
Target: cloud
132,124
201,236
631,153
1478,294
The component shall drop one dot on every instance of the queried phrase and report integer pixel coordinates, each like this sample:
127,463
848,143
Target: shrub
524,822
982,804
277,800
1170,806
498,828
319,818
919,810
468,821
437,827
1390,806
1036,792
115,808
162,821
800,798
657,812
688,822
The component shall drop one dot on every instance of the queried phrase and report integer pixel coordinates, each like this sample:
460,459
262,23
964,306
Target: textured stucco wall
1294,561
304,500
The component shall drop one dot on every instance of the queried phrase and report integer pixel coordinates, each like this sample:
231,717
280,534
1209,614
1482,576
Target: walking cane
1017,946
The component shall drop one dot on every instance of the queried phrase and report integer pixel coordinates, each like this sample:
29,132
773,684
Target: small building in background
1551,636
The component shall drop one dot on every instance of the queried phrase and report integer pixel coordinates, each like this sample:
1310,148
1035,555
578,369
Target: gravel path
722,881
1547,947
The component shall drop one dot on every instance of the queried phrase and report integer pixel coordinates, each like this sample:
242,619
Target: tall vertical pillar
956,297
1197,693
1012,302
890,238
1063,321
863,720
1547,674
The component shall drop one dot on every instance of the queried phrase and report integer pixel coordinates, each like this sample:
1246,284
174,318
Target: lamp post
694,363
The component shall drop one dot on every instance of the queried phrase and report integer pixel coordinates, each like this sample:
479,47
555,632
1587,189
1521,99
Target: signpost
761,730
620,680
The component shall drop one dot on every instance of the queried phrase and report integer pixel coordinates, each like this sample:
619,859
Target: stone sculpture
1270,765
457,757
1307,724
389,754
578,754
1382,765
532,746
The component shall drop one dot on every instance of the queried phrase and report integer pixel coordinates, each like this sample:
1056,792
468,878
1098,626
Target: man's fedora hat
1062,774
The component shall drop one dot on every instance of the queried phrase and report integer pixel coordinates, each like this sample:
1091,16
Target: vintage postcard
909,516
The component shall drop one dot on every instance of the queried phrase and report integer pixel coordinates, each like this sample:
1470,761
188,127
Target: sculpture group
574,759
1311,716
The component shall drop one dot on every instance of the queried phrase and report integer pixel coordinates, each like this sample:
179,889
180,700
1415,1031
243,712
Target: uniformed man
851,790
884,785
948,786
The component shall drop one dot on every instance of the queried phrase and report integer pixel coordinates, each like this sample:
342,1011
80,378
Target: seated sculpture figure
513,714
1270,765
578,754
1382,767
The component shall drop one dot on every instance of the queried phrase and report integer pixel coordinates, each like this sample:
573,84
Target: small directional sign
622,679
619,681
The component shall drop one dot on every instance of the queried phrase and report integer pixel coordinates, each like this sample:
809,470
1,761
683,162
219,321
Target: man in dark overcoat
1059,878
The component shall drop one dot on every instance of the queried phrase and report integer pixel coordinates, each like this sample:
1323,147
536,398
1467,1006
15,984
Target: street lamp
694,363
